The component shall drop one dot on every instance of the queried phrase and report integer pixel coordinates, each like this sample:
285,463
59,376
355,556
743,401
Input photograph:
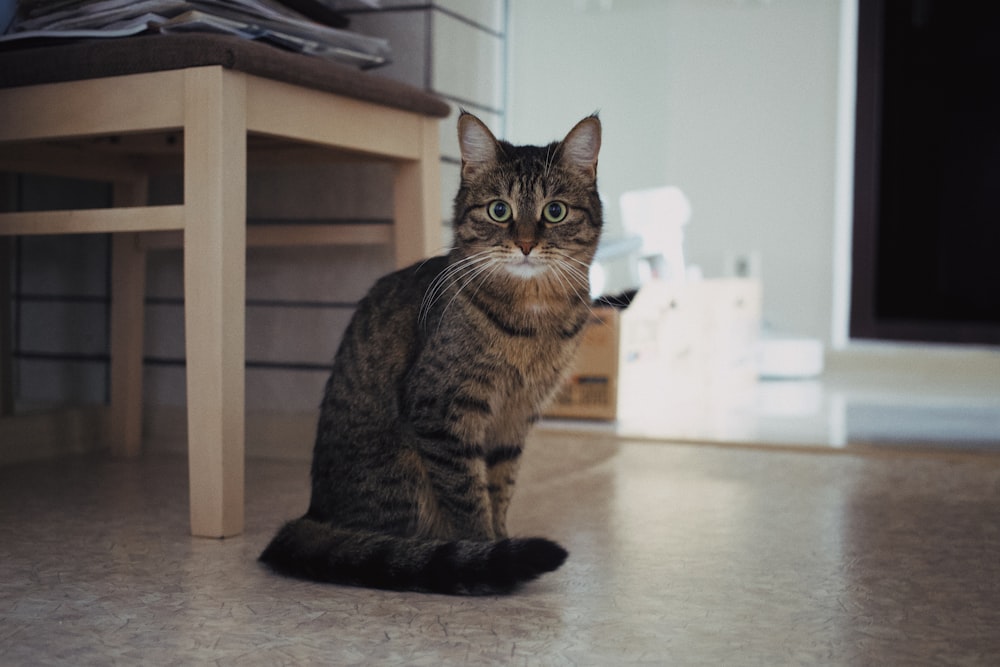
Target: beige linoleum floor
680,555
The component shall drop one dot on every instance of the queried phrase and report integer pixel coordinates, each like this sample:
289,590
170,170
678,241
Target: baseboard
270,435
940,363
51,434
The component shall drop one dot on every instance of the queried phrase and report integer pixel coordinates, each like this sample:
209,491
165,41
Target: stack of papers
265,20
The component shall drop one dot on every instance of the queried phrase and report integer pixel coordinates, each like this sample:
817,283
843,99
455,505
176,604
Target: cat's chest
513,374
519,395
533,369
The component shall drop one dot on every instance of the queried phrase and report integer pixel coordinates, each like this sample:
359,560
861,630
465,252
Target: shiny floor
919,398
680,554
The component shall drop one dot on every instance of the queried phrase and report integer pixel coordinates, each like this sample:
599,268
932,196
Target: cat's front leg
455,500
446,404
502,464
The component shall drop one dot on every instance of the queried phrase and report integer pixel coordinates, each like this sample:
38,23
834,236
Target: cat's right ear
581,146
477,143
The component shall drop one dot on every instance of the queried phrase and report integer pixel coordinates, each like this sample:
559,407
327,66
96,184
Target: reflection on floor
945,400
680,554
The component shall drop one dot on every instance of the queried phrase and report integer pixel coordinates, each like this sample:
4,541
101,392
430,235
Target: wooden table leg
128,292
417,202
214,293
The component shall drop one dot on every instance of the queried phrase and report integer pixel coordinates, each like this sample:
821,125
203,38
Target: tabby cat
439,376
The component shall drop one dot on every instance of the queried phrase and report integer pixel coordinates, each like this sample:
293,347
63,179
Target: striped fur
439,376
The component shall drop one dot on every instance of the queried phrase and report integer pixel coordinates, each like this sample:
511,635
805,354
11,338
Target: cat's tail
310,549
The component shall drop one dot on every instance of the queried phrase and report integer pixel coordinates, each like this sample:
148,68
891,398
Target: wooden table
230,101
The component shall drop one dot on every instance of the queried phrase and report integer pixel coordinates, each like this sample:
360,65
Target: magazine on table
264,20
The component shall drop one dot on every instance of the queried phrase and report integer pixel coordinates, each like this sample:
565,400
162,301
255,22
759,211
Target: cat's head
529,212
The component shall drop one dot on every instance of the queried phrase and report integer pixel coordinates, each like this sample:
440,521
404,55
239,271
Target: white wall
734,101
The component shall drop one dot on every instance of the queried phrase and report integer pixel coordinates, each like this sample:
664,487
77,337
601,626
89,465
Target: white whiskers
574,278
562,273
462,273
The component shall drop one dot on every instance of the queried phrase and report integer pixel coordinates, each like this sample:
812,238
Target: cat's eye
555,211
499,211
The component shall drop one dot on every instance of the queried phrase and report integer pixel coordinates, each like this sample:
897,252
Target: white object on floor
786,357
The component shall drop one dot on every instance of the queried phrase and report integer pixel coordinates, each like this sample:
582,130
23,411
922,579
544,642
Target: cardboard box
591,390
674,342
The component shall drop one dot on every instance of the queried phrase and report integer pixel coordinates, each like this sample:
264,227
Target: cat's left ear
581,146
477,143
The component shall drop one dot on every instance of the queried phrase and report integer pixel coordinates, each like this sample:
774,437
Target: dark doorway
926,255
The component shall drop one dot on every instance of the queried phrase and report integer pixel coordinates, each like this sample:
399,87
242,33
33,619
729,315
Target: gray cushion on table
153,53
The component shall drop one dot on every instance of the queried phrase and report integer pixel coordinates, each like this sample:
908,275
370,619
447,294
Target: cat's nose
526,246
